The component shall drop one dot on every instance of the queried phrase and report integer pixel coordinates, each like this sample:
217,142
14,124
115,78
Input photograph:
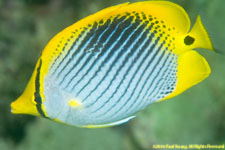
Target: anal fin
192,69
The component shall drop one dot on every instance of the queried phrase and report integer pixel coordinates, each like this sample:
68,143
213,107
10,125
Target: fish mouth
13,108
21,107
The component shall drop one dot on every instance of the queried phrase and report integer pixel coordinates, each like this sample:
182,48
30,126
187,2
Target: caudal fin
201,36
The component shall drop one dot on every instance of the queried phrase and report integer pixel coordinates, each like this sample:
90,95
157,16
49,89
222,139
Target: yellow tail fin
201,36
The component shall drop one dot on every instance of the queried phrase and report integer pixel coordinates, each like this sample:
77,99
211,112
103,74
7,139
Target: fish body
106,67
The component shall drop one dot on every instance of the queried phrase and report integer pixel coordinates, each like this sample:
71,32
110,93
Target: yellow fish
106,67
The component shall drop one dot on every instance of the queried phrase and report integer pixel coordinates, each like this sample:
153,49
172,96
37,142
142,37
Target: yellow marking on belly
74,103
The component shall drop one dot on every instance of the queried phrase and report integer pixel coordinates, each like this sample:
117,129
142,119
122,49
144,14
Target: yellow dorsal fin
172,14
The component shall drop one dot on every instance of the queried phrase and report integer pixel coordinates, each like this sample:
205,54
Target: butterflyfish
103,69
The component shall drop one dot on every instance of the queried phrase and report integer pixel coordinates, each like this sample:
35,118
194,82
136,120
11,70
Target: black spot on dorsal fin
188,40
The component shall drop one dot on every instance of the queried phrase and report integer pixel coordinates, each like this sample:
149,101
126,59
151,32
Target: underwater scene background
194,117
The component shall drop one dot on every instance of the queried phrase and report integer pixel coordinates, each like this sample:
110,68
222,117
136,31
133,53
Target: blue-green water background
195,117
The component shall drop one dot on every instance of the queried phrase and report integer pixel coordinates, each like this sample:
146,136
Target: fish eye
188,40
33,100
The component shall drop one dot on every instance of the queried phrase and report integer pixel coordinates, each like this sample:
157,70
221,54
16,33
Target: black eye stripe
37,95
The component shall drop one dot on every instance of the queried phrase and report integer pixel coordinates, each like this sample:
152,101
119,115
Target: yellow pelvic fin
201,36
192,68
109,124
